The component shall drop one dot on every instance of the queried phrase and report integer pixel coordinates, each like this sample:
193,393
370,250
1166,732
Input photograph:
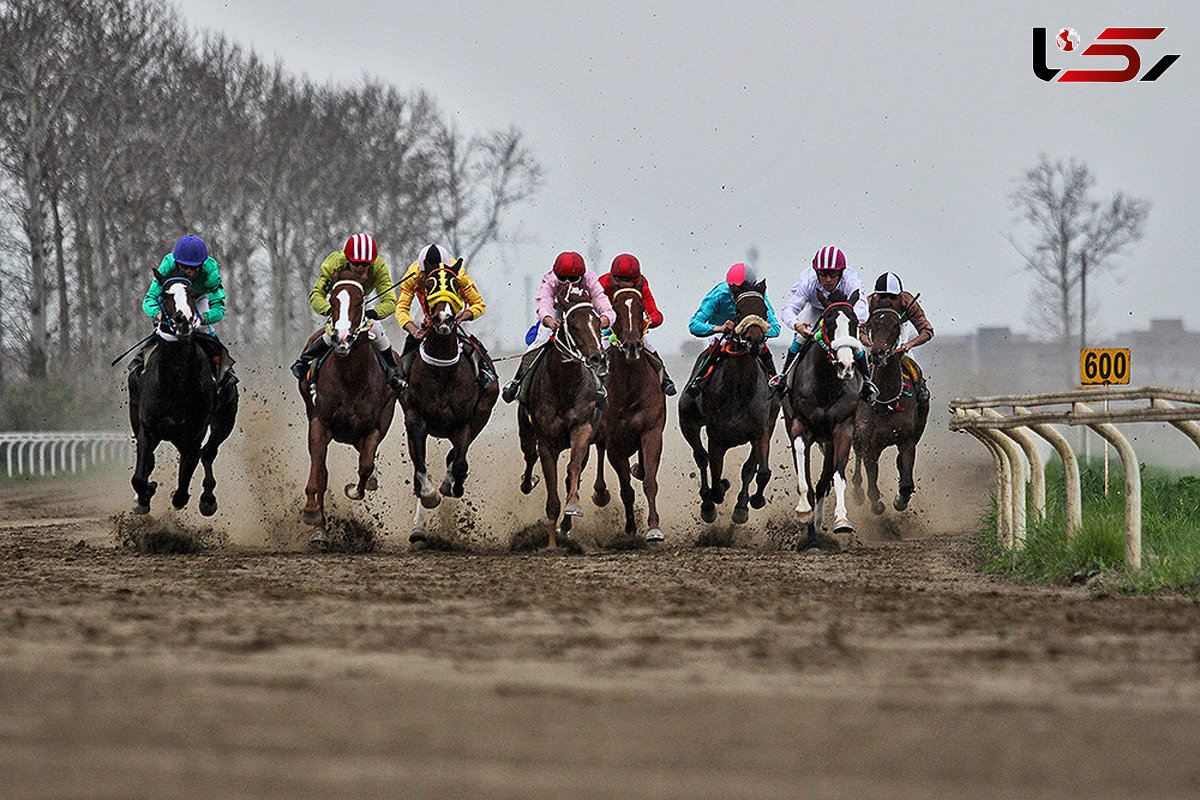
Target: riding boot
869,391
485,372
767,362
514,386
668,385
779,382
315,350
696,384
395,381
226,383
922,394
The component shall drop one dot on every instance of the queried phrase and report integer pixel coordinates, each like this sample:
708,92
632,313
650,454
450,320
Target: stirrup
511,390
668,386
300,369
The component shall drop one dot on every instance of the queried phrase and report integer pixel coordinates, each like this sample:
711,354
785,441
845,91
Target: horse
736,406
894,418
349,403
636,415
443,398
819,408
563,405
176,399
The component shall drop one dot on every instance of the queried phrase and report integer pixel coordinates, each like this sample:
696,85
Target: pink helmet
829,259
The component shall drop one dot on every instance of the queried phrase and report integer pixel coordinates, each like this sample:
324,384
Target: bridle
891,351
641,333
821,335
738,338
364,323
167,328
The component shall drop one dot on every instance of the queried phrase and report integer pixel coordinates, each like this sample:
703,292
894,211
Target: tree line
121,130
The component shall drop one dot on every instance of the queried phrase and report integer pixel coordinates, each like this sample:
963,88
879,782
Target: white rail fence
51,452
1018,463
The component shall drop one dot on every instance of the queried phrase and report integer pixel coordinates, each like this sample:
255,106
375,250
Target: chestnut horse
350,403
564,405
637,412
894,418
820,407
175,399
443,399
736,406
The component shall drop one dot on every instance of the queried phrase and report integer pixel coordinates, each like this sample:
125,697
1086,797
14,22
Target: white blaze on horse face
841,340
178,292
341,323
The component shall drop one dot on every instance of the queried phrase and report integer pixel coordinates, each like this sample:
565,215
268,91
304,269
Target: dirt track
890,670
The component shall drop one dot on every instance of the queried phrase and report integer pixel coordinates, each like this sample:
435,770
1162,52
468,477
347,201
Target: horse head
629,327
580,329
345,309
442,297
839,333
883,331
750,320
177,299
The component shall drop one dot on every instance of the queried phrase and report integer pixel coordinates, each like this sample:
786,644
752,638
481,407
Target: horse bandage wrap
751,321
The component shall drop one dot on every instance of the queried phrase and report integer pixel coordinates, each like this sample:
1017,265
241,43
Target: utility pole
1087,442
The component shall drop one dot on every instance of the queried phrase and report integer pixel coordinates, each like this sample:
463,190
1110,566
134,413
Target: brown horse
736,406
564,405
637,412
819,408
443,398
351,402
894,418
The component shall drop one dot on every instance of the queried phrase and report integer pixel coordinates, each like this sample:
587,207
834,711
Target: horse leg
872,458
841,454
763,474
905,460
366,465
600,493
189,459
824,483
456,462
224,417
716,465
549,461
581,445
651,453
621,467
804,509
529,449
856,479
691,432
319,438
741,509
142,485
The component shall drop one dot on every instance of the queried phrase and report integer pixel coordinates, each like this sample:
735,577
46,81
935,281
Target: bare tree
1069,233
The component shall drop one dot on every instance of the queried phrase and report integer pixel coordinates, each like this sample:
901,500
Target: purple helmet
190,251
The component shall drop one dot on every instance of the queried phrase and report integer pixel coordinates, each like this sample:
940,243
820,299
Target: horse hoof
877,507
179,501
527,485
708,512
804,517
372,484
900,503
740,515
654,535
310,517
417,536
601,497
758,501
431,500
141,509
638,472
456,491
353,492
319,540
573,510
858,494
208,506
447,487
842,526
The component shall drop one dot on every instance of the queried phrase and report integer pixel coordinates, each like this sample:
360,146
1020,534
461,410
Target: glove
370,314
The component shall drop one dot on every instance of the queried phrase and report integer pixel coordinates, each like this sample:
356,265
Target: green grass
1096,555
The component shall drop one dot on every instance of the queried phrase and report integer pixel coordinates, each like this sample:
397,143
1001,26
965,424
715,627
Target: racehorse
894,418
176,399
350,403
443,398
564,404
819,408
636,414
736,406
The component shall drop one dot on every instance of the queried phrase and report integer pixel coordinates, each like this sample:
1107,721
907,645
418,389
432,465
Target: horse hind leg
600,494
741,509
366,465
222,426
763,474
143,468
905,461
530,452
651,453
189,459
691,432
621,467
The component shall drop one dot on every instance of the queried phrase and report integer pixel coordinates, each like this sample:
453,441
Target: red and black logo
1112,42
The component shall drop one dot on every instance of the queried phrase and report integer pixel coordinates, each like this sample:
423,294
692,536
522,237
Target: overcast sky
689,132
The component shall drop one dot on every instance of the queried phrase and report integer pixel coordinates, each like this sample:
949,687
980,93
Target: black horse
736,405
176,399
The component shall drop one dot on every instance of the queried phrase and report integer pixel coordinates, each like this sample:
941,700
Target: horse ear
456,266
761,286
853,298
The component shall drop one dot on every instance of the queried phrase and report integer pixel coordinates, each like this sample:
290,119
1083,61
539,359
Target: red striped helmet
568,265
361,248
829,259
626,266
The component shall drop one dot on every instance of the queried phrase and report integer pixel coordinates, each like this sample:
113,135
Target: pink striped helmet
829,259
361,248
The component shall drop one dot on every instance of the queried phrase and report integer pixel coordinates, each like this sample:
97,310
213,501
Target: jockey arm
471,296
600,300
799,298
916,315
318,298
715,310
772,320
385,290
652,313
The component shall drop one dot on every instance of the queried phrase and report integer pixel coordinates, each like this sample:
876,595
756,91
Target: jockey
715,318
360,249
889,293
568,267
626,273
191,255
807,303
430,258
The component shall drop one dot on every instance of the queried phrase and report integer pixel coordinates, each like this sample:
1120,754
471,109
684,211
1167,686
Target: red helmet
360,247
568,265
626,266
829,259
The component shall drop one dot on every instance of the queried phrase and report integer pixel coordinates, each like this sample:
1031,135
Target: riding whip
130,350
